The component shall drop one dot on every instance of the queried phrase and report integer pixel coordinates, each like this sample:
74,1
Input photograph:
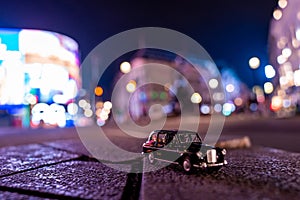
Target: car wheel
151,157
187,164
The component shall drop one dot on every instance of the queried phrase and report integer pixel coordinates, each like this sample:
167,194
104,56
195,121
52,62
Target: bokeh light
131,86
270,71
218,108
98,91
227,109
254,62
72,108
281,59
238,101
196,98
282,3
276,103
230,88
213,83
125,67
286,103
253,107
88,113
107,105
297,77
277,14
205,109
218,96
286,52
31,99
82,103
268,87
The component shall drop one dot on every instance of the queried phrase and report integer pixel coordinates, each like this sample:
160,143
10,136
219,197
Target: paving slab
103,151
17,196
255,173
71,145
24,157
79,179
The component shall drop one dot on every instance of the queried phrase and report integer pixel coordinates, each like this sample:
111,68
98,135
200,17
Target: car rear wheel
151,157
187,164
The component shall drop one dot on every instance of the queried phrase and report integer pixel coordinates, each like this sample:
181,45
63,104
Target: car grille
211,156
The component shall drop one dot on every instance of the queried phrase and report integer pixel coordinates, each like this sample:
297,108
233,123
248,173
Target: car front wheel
187,164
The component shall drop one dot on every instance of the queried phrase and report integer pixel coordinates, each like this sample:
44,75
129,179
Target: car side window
153,139
161,139
174,142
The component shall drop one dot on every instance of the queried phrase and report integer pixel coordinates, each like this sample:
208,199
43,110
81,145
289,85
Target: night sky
231,31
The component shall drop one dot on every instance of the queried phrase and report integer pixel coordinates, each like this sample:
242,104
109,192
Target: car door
159,145
172,148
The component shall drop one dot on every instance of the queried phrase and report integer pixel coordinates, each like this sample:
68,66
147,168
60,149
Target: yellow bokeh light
125,67
196,98
254,62
268,87
277,14
98,91
131,86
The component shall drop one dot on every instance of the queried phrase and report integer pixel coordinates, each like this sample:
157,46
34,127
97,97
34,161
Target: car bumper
208,165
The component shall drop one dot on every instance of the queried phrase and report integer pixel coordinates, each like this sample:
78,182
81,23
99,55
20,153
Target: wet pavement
65,170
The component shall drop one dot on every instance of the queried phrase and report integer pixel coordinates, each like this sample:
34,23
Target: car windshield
189,137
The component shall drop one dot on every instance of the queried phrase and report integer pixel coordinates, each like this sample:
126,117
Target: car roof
174,131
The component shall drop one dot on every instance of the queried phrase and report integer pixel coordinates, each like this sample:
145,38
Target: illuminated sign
39,63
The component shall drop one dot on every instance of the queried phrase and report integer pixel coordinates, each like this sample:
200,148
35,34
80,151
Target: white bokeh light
270,71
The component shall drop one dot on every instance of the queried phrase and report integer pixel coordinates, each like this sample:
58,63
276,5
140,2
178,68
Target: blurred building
172,82
284,48
39,78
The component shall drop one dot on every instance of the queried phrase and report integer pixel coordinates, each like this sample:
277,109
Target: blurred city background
64,133
41,84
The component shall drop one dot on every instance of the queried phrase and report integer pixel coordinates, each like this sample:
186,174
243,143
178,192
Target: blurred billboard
37,68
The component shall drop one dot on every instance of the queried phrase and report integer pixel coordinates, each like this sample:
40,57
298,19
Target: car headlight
199,154
224,152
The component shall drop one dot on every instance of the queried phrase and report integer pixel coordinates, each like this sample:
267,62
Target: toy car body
184,148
